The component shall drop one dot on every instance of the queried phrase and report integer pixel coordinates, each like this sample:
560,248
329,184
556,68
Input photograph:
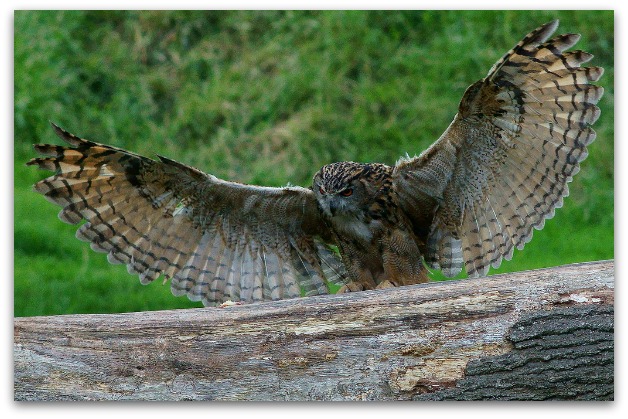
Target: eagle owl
498,171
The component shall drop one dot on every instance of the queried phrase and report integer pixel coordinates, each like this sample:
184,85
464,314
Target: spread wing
503,165
216,240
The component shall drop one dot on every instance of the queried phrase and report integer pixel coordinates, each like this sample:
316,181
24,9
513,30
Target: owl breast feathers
497,172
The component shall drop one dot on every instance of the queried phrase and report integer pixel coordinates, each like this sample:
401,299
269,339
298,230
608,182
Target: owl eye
347,192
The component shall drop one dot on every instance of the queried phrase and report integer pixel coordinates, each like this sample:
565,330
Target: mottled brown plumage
498,171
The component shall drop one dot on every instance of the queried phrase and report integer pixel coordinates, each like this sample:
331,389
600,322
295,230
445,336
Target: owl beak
333,208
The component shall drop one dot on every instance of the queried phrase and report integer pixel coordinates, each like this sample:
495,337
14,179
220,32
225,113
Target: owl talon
351,287
385,284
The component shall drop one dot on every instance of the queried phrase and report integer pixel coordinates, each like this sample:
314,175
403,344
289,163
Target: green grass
267,98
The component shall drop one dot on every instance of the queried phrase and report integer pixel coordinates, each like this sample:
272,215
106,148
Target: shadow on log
536,335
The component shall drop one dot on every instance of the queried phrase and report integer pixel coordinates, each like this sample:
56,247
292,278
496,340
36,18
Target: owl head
347,188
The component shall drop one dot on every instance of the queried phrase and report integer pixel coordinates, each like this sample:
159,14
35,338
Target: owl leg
402,260
361,275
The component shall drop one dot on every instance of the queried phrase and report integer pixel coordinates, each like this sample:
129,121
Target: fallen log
535,335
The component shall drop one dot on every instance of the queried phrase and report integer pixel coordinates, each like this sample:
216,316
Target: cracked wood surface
438,341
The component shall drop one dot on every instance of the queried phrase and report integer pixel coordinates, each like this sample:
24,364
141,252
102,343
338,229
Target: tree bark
543,334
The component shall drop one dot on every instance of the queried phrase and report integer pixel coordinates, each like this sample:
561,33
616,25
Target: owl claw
351,287
385,284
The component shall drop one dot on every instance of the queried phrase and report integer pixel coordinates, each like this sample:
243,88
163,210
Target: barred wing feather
503,165
215,240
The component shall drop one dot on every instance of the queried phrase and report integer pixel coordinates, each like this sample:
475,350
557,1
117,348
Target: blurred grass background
266,98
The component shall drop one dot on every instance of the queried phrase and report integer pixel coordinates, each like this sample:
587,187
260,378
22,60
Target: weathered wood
563,353
531,335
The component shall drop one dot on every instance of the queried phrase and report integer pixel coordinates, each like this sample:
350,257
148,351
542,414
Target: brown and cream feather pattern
498,172
215,240
503,165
